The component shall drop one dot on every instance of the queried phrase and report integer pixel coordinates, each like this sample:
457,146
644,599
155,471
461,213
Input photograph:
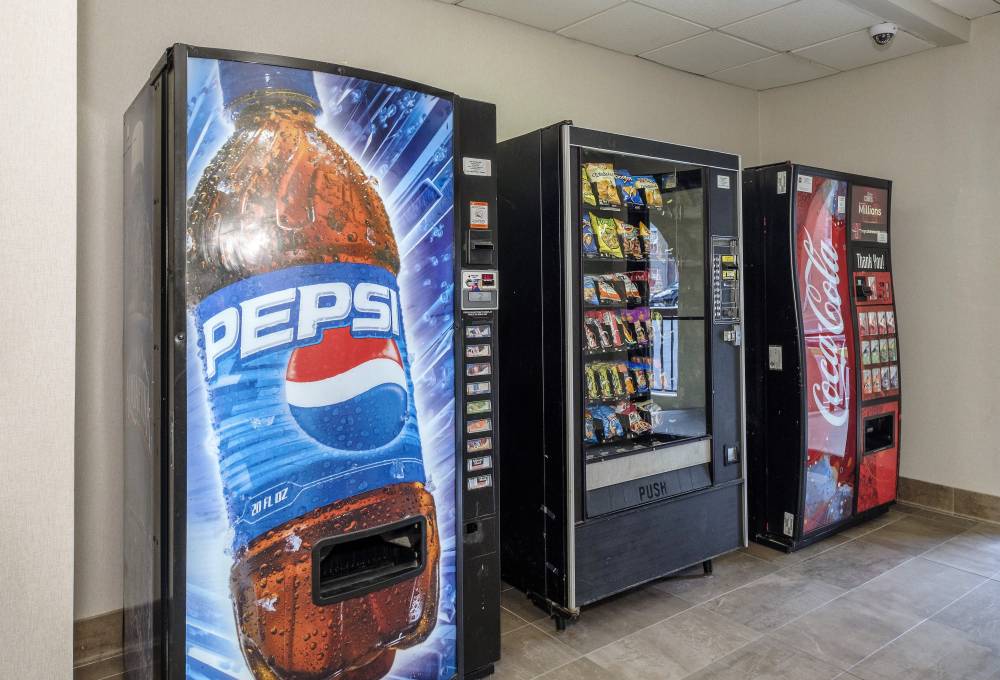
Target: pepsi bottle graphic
296,322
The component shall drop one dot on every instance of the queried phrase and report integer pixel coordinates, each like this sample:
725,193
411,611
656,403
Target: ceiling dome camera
882,34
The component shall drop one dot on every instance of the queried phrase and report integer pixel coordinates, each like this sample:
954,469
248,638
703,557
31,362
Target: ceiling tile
781,69
706,53
970,9
718,13
857,49
549,15
802,23
632,28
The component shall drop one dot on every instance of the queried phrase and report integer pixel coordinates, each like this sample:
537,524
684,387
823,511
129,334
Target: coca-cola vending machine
310,292
823,378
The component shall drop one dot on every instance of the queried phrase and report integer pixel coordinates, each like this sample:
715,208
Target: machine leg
560,623
707,566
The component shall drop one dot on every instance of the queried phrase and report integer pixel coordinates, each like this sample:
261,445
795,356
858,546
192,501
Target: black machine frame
552,550
168,395
760,183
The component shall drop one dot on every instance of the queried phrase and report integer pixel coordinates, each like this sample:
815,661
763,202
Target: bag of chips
609,320
607,235
602,175
591,382
640,377
650,189
631,291
630,240
604,380
637,319
609,420
636,423
606,292
592,321
626,378
590,333
587,240
586,189
590,291
589,435
616,380
624,331
626,184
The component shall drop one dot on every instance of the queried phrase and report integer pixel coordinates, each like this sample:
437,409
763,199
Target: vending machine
823,378
621,376
310,299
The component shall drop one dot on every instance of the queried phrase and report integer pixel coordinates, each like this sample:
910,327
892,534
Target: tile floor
912,595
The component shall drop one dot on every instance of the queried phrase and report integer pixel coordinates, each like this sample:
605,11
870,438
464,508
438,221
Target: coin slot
364,561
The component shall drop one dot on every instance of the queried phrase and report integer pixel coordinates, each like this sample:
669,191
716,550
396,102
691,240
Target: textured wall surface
37,336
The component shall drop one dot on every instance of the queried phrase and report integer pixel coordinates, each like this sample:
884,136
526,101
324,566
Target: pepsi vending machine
310,291
823,384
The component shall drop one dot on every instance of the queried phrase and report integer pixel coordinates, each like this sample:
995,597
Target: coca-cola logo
822,296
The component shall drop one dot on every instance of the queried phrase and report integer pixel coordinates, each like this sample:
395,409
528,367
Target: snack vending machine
823,382
621,381
310,293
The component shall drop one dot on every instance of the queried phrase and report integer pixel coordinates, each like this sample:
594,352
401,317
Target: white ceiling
757,44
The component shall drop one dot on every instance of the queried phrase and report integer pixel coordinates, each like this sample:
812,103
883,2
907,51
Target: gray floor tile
844,632
931,651
728,572
509,621
505,586
851,564
915,534
954,520
773,600
972,551
785,559
528,652
918,588
518,603
764,660
977,616
871,525
100,670
581,669
617,617
674,648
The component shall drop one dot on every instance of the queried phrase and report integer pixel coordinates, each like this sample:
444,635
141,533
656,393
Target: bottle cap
239,79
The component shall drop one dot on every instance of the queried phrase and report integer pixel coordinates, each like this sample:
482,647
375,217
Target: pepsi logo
346,392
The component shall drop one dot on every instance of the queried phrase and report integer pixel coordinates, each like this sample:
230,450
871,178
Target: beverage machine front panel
320,292
821,280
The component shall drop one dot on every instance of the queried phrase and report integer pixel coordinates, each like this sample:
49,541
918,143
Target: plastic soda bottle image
295,317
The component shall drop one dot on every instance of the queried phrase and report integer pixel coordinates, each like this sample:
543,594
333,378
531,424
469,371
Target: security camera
882,34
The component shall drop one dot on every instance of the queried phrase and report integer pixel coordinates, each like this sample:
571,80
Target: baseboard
949,499
97,638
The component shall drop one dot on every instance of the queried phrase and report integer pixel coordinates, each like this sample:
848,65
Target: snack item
612,426
624,330
606,291
631,290
616,380
602,378
650,189
590,291
606,232
590,335
636,423
609,320
626,184
640,376
602,176
591,382
630,239
586,189
589,435
587,241
626,378
592,322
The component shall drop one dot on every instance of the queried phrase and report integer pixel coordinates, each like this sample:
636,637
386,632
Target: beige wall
38,306
931,123
533,77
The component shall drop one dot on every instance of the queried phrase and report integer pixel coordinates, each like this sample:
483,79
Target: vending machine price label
805,184
723,181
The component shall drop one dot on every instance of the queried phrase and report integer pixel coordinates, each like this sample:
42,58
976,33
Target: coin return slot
879,433
365,561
